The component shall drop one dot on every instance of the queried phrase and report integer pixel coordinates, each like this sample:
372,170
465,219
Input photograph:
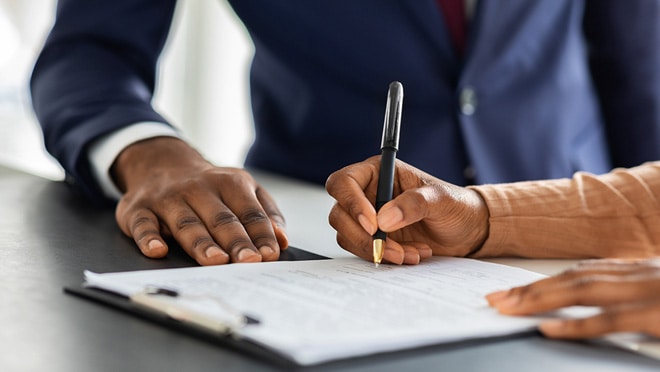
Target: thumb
406,209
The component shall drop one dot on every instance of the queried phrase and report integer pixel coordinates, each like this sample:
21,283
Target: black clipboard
222,338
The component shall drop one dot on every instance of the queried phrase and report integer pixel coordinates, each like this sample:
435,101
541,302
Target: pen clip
393,110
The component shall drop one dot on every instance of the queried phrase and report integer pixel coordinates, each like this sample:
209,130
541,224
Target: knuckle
141,222
186,222
253,216
263,239
583,282
607,321
238,244
145,235
333,216
201,242
224,218
234,176
278,218
331,181
341,241
577,325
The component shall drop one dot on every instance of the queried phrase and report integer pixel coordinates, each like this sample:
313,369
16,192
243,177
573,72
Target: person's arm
612,215
95,76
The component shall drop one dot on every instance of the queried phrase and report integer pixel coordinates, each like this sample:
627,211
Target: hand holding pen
414,215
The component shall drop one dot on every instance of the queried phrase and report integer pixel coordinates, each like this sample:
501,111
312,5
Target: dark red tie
454,13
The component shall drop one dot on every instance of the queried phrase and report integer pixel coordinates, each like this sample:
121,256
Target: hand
628,291
217,215
426,215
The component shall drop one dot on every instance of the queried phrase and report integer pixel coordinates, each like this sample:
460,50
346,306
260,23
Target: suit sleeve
624,54
96,74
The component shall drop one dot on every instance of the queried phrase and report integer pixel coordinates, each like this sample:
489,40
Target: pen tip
378,249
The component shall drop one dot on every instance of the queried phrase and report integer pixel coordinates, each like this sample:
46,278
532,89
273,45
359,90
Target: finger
348,186
350,235
415,252
253,229
559,280
409,207
143,227
191,233
642,317
629,269
232,233
276,217
396,254
584,269
363,250
591,290
494,298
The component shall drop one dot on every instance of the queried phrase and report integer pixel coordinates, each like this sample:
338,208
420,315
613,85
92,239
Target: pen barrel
380,234
385,177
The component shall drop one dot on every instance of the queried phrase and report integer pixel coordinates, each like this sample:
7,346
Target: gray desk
48,237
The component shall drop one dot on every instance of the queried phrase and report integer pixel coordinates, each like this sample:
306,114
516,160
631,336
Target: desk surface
48,237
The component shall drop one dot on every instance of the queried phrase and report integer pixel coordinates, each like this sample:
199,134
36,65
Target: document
316,311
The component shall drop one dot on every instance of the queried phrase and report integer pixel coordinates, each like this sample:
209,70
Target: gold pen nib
378,251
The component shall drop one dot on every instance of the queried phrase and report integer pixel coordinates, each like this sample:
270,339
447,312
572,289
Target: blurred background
202,85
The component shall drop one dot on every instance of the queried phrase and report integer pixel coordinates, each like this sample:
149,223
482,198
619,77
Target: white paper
316,311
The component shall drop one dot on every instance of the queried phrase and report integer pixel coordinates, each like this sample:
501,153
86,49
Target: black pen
389,146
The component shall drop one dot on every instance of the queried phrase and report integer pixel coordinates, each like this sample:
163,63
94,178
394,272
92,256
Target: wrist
148,157
482,223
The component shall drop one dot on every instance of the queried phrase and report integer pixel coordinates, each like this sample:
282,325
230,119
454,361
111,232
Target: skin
627,291
425,217
217,215
430,217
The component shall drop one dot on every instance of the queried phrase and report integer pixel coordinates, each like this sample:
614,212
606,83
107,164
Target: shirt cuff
104,151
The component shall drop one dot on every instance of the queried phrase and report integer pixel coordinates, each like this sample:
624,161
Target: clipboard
312,278
156,304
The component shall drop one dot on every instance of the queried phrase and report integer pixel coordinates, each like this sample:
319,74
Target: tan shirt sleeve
612,215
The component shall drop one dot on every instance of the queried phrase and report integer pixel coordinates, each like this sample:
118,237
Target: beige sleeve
612,215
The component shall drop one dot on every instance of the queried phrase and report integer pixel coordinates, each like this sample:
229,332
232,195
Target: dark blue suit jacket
547,87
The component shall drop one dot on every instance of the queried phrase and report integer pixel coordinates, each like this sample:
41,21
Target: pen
389,146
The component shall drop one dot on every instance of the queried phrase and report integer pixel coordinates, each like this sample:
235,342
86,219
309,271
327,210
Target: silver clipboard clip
171,303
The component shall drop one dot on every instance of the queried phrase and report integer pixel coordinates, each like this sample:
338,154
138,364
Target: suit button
468,101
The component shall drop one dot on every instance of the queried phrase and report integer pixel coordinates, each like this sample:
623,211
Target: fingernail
425,252
390,218
411,258
393,256
155,244
248,255
366,225
497,296
552,326
214,251
266,251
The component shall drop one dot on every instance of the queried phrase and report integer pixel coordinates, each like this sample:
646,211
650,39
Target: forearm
96,74
612,215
